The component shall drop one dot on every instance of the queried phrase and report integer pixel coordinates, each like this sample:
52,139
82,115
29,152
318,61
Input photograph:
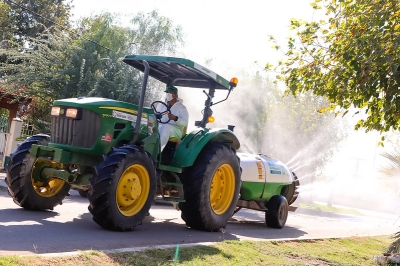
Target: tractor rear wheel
211,188
277,212
122,188
24,187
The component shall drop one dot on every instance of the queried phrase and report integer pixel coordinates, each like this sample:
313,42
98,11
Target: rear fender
194,142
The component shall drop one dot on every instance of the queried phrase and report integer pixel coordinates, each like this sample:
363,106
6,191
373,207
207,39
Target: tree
351,59
21,20
102,73
5,22
60,64
39,71
154,34
23,24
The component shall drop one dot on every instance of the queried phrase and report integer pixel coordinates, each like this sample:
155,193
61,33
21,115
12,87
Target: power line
55,23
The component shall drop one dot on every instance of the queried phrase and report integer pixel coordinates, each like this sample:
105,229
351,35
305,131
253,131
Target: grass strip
344,251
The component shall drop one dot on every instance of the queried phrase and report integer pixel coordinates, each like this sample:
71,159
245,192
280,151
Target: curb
138,249
120,250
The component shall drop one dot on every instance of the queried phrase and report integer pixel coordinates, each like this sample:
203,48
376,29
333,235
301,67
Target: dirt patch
307,261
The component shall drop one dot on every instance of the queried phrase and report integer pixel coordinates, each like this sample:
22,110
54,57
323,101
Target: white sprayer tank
261,168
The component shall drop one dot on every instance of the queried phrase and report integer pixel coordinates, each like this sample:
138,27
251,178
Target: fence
27,130
3,124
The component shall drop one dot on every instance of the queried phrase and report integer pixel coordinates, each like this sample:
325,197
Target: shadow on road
72,228
27,232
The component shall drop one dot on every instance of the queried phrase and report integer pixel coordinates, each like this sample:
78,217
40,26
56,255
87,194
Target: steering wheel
159,115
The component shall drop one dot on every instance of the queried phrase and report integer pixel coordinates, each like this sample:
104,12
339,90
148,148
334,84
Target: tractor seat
176,139
168,152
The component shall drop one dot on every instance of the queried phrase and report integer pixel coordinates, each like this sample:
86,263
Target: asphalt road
70,228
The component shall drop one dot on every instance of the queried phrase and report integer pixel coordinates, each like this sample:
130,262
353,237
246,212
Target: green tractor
110,152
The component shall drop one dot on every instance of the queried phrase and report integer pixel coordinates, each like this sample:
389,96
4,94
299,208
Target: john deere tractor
110,152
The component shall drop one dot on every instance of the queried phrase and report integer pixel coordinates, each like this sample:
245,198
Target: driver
178,116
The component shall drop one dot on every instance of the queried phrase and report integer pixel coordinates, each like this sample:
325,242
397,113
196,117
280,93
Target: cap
171,89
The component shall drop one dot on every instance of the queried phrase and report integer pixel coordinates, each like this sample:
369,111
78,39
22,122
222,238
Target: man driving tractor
176,120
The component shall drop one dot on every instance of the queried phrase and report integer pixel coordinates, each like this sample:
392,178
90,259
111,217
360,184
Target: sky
234,34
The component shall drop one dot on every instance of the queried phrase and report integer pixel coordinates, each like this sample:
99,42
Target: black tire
290,192
21,186
277,212
128,169
82,193
203,208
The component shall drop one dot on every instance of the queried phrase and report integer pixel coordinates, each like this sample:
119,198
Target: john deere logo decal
106,137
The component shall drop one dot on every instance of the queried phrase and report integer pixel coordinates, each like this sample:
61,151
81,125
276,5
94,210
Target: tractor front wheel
211,188
27,189
122,188
277,212
82,193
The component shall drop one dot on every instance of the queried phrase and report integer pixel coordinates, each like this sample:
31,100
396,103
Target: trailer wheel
211,188
277,212
290,192
122,188
23,186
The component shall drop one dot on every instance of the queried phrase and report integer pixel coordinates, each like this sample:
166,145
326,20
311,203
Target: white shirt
179,110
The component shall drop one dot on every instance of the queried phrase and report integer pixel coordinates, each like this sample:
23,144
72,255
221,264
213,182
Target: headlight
55,110
71,113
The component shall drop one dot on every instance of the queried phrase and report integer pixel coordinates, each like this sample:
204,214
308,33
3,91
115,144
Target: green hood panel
98,105
114,125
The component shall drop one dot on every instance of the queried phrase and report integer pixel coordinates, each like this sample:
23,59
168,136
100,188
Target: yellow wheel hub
45,189
133,190
222,189
49,188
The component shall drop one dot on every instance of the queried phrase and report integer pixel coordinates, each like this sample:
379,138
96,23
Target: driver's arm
182,116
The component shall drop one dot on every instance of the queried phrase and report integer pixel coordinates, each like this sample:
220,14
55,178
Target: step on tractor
110,152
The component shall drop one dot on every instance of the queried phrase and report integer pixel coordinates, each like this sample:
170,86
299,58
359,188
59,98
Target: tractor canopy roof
175,71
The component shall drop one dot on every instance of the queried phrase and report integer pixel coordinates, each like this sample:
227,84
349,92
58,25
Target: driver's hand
171,116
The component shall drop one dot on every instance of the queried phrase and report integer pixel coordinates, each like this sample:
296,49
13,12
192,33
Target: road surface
70,228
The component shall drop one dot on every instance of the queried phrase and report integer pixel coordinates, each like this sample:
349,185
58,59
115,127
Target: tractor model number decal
123,116
128,117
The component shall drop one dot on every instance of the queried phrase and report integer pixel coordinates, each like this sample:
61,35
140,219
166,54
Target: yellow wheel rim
133,190
222,189
46,189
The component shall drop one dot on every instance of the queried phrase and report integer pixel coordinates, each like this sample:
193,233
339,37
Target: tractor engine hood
94,103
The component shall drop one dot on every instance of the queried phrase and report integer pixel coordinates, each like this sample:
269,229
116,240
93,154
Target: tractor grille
82,132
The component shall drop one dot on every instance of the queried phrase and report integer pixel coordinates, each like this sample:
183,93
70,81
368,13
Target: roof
178,71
